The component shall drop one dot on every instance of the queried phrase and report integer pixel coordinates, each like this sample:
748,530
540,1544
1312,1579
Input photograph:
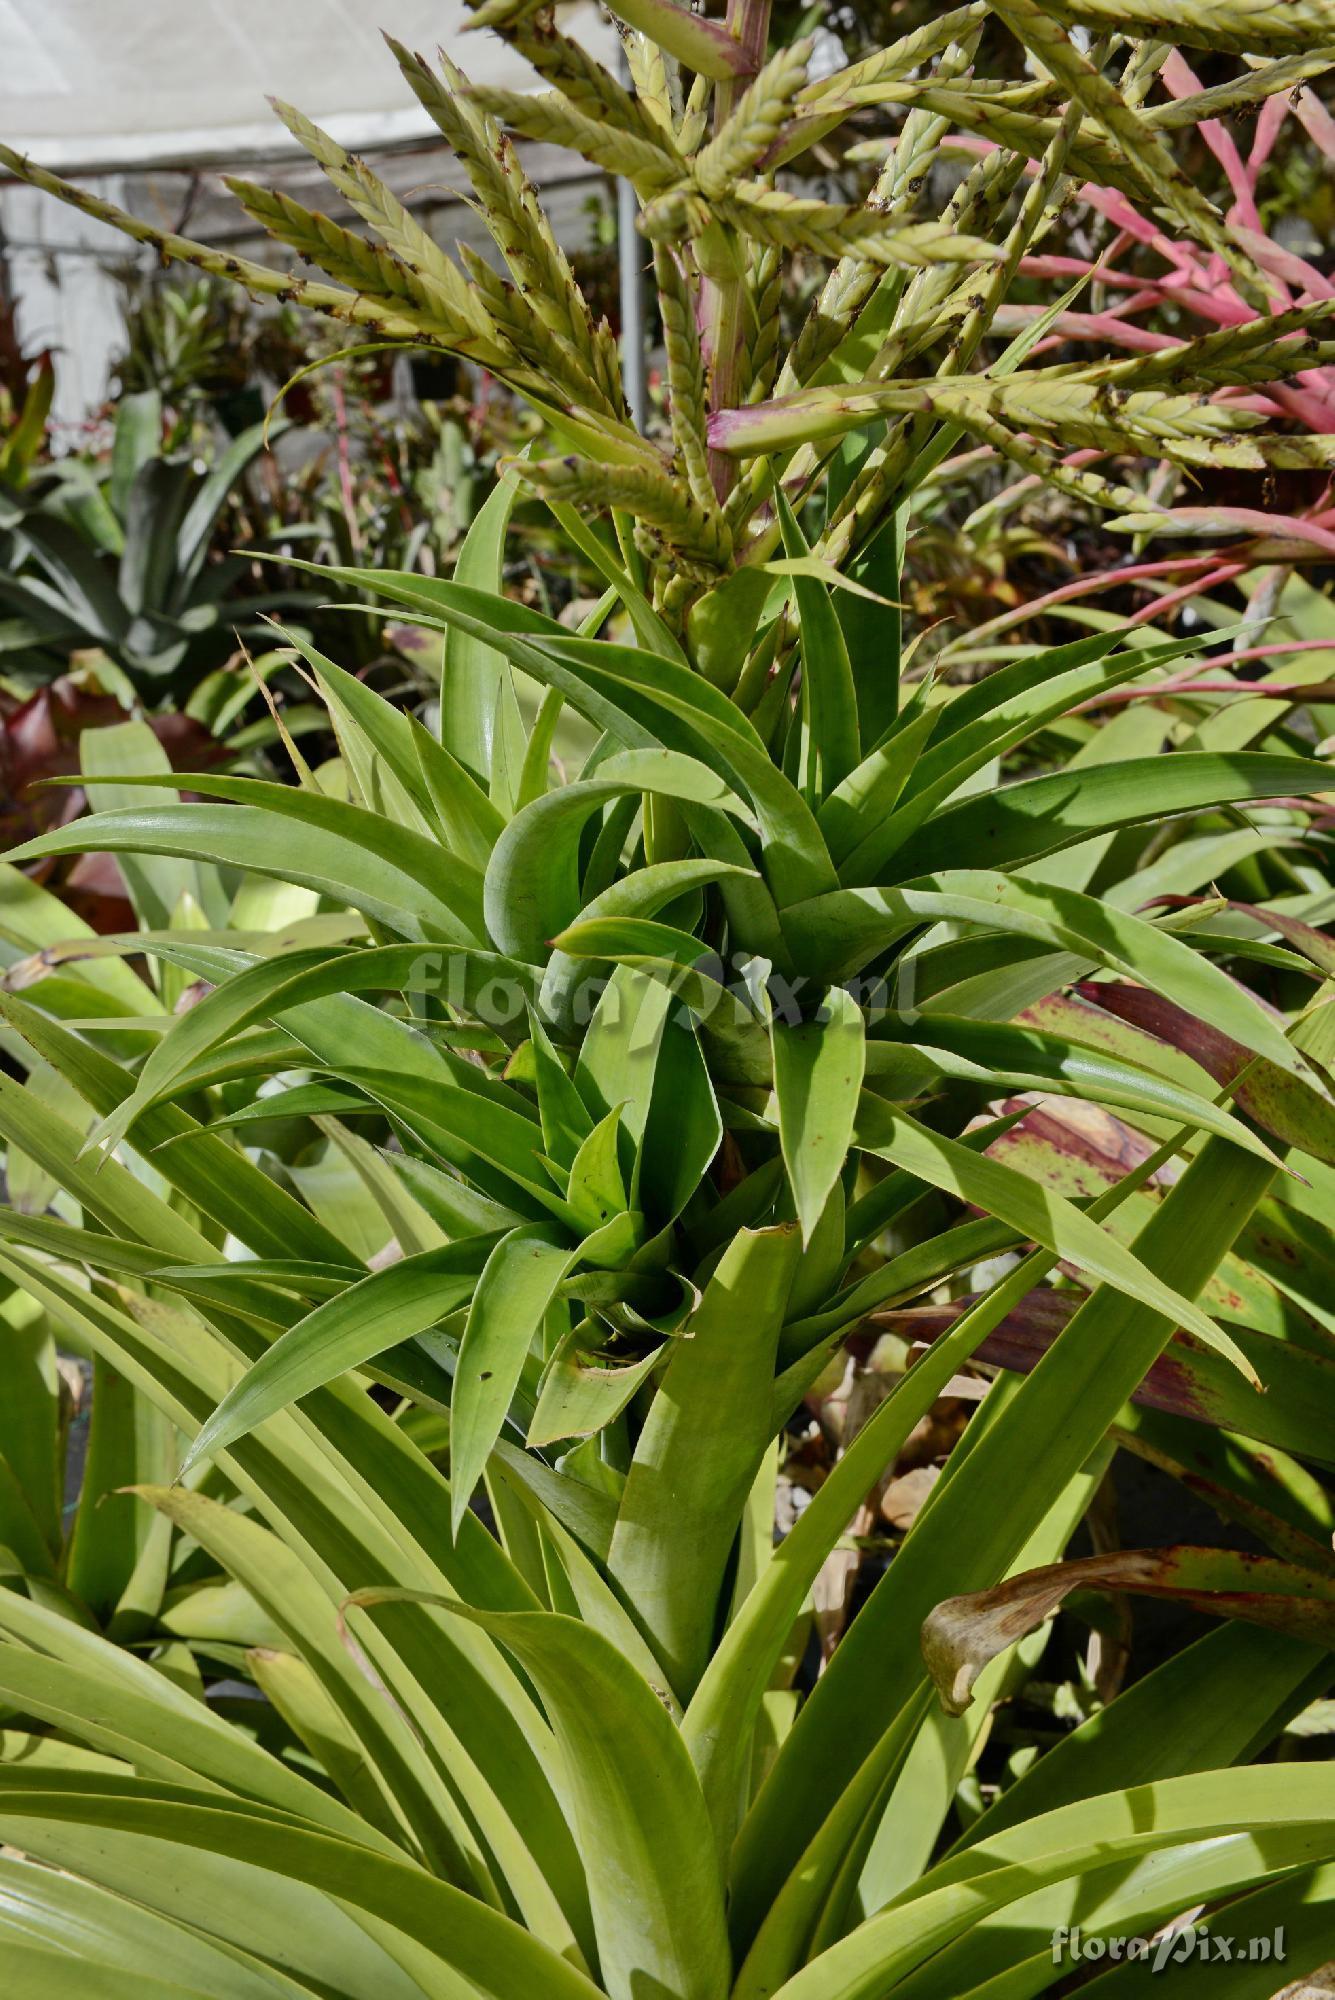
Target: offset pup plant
659,1082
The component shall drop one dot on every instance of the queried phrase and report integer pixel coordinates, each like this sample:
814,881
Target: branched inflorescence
901,336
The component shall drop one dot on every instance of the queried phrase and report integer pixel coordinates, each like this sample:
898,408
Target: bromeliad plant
639,1123
116,559
659,1081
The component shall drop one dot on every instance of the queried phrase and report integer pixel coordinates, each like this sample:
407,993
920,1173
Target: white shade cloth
99,85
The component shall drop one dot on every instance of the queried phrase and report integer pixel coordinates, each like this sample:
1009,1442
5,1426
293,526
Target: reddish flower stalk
722,301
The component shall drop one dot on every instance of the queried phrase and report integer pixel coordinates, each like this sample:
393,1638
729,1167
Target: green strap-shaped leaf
721,625
118,1558
296,1696
156,882
490,1954
1016,714
589,1596
699,1451
480,724
596,1190
618,1058
1007,1937
1185,1820
115,1196
684,1128
1045,1217
874,626
191,1036
391,873
646,699
514,1292
438,785
536,771
642,700
837,935
42,1910
474,1130
1217,1702
33,919
1005,828
210,496
305,1474
1126,1897
353,1327
640,1819
295,1938
818,1070
869,794
221,1182
738,1046
638,894
650,630
1301,1905
566,1122
136,439
300,1100
75,1679
1055,1419
397,1775
829,697
1021,680
1029,1059
270,987
500,623
718,1721
687,713
465,1116
44,1973
807,1341
579,1397
587,1512
888,1820
532,885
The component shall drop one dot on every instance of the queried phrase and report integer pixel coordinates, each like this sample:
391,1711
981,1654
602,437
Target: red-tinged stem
1090,586
1185,684
1212,579
722,301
